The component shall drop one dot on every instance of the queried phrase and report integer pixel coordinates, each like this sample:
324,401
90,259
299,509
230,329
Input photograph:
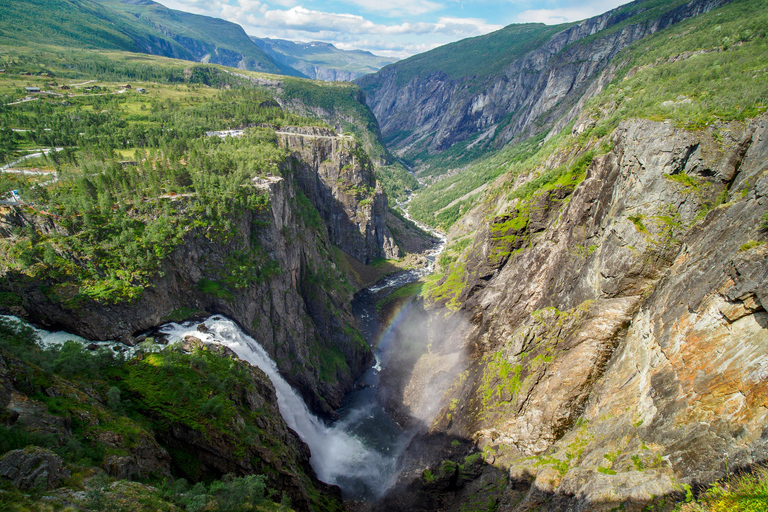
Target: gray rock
540,87
33,468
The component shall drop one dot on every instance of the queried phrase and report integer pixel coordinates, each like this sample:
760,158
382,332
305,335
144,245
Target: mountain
593,335
322,61
209,39
597,326
136,26
479,94
81,24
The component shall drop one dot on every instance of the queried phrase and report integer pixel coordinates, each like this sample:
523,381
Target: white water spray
361,469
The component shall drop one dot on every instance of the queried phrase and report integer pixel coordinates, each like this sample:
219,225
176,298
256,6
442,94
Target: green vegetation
446,289
342,104
78,25
404,292
707,69
435,199
224,41
748,493
136,27
138,175
501,380
476,57
750,245
696,73
103,398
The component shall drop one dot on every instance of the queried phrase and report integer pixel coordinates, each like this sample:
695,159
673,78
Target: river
360,451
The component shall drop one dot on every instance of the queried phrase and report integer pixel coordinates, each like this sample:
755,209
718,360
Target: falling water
358,452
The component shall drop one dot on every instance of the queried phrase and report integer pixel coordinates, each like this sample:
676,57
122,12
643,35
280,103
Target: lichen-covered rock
338,178
33,468
621,352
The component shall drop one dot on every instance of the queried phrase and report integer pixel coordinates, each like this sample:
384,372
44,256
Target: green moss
751,244
180,314
637,220
332,363
684,179
9,299
447,288
408,291
215,289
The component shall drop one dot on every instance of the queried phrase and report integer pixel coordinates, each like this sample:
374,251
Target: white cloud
397,8
567,14
306,20
553,16
284,19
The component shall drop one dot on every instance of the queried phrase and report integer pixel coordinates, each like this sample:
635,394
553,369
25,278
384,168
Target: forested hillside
138,190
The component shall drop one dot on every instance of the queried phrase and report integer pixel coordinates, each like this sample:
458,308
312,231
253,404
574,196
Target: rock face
141,457
338,178
33,468
255,440
620,350
537,90
296,312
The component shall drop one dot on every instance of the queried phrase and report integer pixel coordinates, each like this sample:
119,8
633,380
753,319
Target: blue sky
392,28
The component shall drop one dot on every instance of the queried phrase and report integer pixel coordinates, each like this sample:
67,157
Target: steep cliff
423,113
141,419
338,177
615,322
275,271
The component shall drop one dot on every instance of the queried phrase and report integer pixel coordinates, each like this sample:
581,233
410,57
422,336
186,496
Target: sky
392,28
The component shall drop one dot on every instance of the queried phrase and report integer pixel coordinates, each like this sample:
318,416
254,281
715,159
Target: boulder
33,468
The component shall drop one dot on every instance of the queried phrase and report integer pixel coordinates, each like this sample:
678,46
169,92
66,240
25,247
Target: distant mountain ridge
208,39
479,94
141,26
322,61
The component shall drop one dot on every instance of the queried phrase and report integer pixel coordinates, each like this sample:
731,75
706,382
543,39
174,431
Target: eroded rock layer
617,326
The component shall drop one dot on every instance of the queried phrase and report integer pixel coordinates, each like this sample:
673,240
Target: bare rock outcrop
33,468
338,178
620,351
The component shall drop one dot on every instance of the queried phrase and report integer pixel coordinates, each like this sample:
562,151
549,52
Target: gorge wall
615,327
531,94
297,307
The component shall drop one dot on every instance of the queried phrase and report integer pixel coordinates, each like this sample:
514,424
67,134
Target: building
32,89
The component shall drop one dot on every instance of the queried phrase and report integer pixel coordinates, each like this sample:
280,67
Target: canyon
591,337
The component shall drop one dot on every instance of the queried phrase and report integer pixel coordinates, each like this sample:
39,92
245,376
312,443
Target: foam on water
362,467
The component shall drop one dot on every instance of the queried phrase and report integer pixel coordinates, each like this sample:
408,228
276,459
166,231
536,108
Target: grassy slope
477,57
725,83
103,397
78,24
223,34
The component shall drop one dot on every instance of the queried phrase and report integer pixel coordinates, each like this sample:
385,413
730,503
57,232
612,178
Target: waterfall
346,453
